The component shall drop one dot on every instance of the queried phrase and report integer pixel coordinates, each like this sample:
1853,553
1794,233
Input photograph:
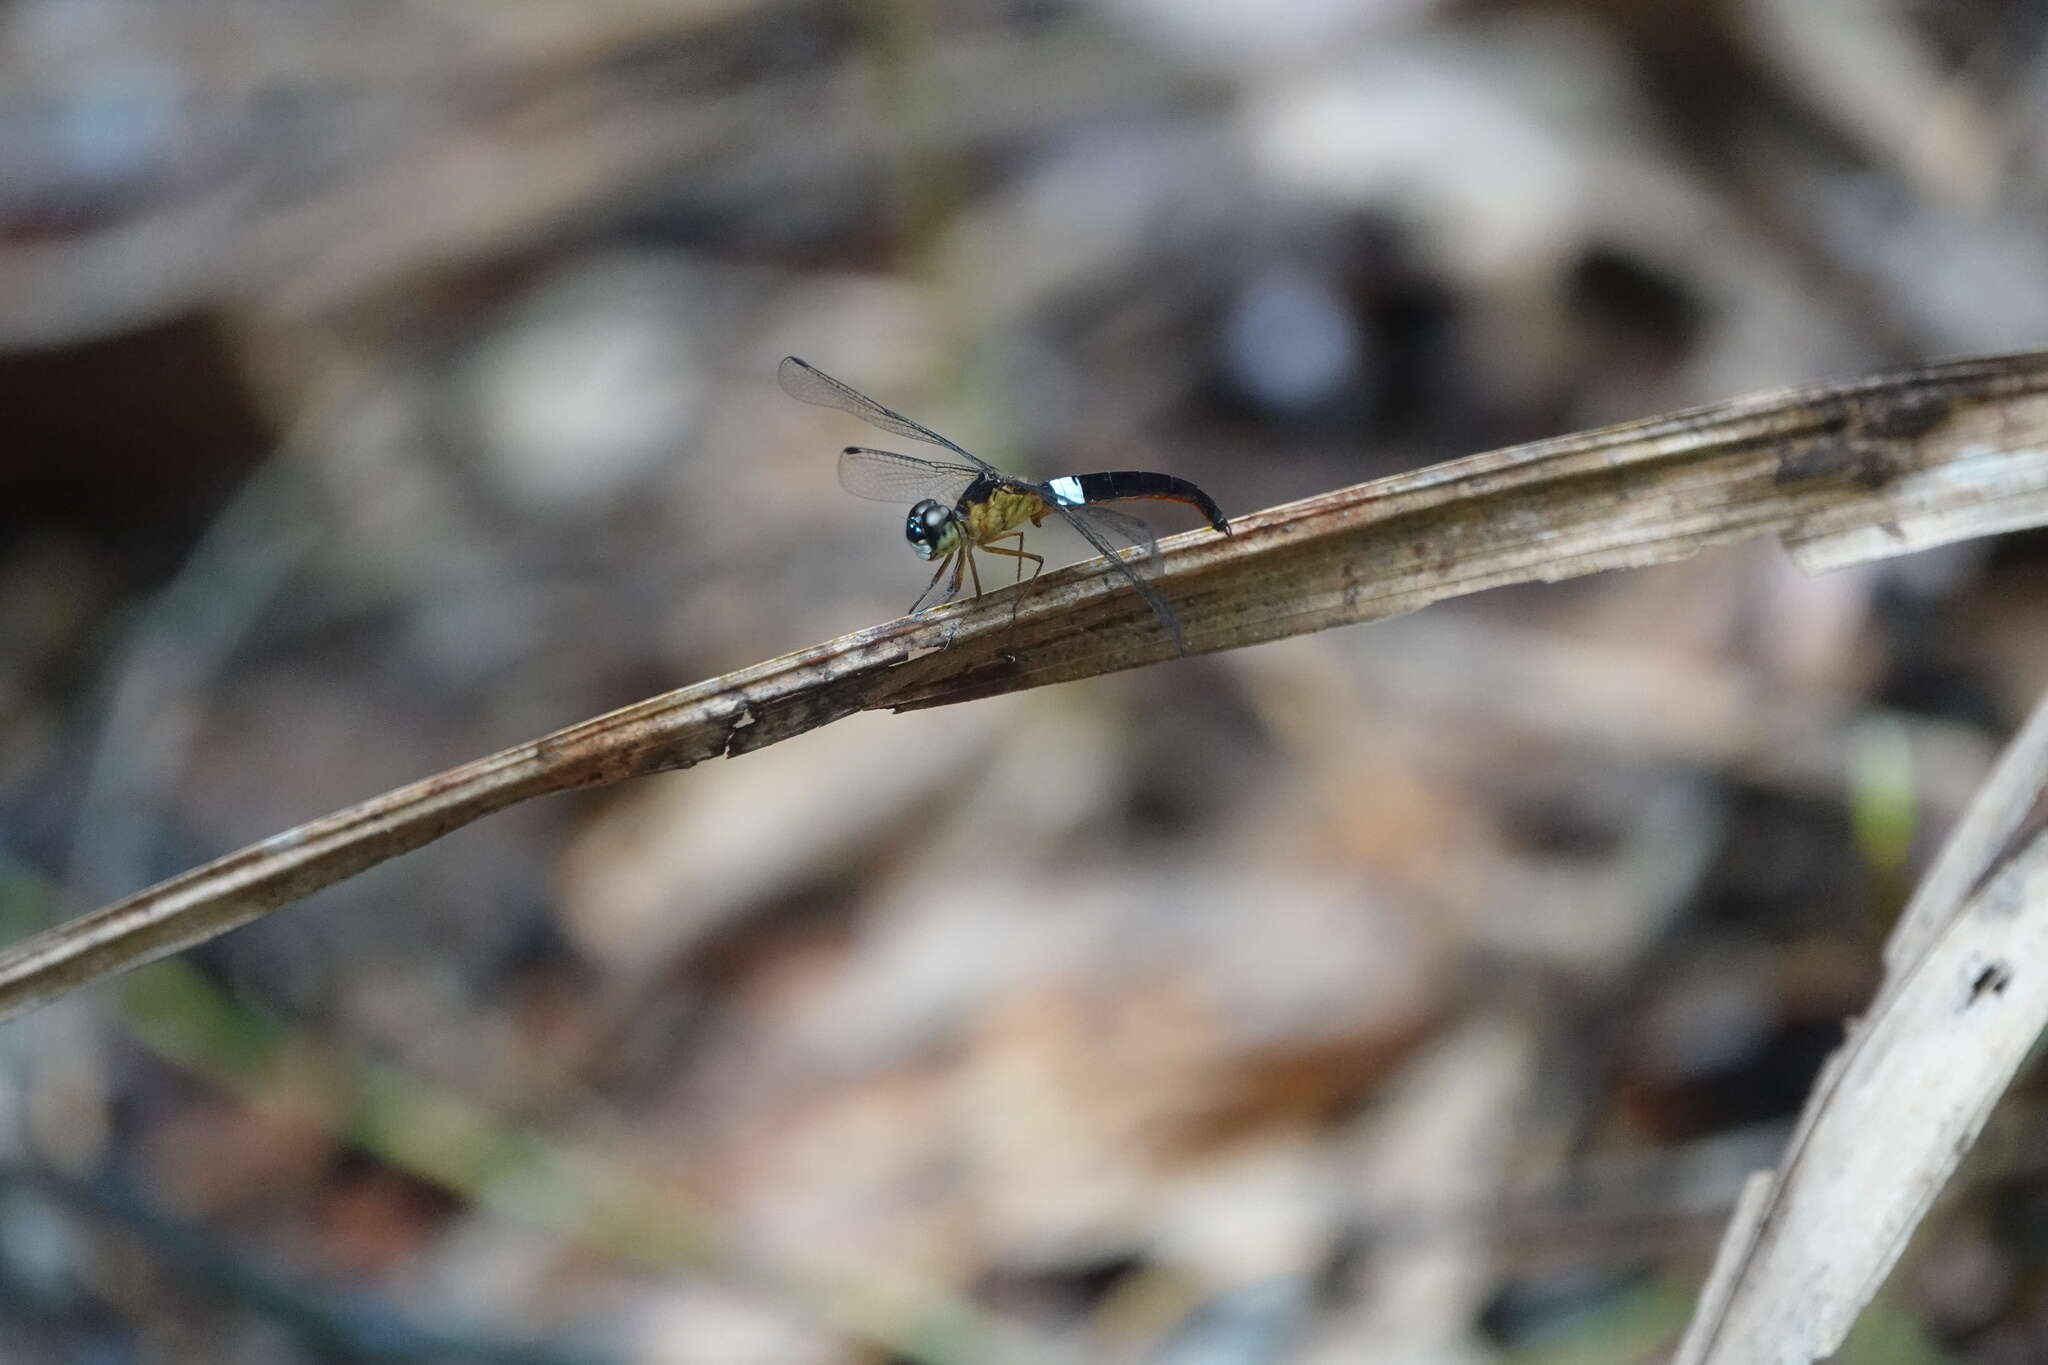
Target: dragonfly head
932,529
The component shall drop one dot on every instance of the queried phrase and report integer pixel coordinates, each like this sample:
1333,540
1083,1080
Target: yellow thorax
1003,510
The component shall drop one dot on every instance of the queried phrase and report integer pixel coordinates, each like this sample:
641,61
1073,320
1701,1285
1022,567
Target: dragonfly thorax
932,529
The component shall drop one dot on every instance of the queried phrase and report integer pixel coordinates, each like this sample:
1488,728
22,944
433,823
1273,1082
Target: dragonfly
963,503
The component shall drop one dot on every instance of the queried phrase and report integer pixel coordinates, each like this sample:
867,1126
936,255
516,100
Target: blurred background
384,382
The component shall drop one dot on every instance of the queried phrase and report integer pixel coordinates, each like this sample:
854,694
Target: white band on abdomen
1067,489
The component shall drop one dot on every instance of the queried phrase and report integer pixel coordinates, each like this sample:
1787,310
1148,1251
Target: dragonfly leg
967,553
925,597
992,547
1020,554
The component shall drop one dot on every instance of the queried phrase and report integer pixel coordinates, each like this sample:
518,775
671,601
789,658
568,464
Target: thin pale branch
1896,1108
1843,473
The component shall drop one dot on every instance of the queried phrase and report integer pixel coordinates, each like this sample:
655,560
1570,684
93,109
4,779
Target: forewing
808,384
885,476
1085,519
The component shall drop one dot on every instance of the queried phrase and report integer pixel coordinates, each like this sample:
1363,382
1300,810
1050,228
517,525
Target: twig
1895,1109
1843,473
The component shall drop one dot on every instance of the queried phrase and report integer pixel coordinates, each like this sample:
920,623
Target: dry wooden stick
1843,473
1896,1108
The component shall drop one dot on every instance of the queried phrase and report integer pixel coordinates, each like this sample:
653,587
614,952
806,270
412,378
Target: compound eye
929,526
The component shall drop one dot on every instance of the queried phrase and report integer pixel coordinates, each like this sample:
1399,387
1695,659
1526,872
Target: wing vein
887,476
1153,598
808,384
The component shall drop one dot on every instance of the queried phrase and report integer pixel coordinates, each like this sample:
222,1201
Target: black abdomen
1123,485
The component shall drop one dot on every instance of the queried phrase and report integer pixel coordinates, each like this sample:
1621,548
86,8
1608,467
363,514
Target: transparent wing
1099,526
1117,527
885,476
808,384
